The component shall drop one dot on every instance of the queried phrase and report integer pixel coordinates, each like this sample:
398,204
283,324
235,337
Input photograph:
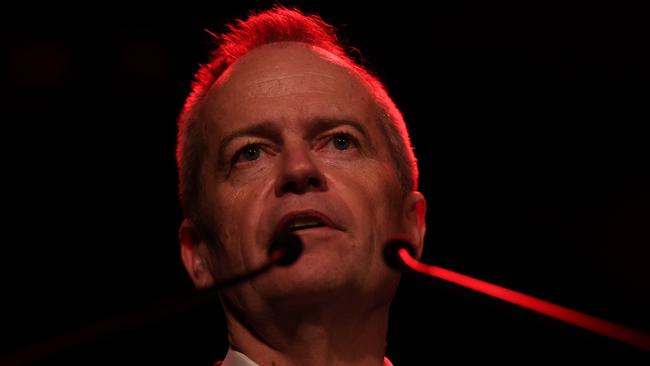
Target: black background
529,122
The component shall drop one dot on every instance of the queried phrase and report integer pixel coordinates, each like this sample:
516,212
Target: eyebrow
271,130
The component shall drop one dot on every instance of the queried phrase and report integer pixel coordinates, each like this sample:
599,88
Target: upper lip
287,219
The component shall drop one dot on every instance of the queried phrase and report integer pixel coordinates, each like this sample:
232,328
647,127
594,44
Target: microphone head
391,250
285,248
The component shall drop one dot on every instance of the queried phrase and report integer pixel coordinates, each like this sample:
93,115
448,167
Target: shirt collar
235,358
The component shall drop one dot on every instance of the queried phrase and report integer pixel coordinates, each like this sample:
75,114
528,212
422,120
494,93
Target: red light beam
627,335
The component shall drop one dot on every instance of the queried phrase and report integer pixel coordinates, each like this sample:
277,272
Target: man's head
283,125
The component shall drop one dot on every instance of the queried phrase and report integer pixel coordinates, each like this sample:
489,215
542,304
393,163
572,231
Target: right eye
249,152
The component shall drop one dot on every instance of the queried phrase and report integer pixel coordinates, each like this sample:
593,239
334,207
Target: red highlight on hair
627,335
278,25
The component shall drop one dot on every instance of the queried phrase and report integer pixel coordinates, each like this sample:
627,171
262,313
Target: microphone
399,254
284,250
393,250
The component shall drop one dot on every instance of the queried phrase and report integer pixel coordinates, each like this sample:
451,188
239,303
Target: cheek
375,192
231,205
223,210
238,216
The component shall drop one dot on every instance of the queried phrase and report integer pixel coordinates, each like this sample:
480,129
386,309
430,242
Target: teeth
303,223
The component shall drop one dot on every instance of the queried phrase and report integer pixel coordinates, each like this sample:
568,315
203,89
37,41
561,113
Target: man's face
294,140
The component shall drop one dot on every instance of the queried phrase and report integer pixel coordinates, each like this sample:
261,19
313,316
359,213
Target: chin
318,281
311,276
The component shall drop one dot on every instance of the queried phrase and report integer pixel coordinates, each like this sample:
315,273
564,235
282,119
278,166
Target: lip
283,224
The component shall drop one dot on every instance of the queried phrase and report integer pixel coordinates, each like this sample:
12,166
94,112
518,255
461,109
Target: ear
415,208
195,255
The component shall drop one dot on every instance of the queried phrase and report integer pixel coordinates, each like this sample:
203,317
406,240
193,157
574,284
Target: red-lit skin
600,326
331,306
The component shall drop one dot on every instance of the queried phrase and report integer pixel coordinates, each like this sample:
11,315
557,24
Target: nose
298,172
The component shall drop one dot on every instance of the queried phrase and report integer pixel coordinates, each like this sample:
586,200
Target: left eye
342,141
252,152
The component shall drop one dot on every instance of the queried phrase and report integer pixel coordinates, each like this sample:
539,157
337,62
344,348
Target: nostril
289,187
314,182
300,186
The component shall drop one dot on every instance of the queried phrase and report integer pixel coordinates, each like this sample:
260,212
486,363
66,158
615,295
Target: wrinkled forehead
265,67
280,74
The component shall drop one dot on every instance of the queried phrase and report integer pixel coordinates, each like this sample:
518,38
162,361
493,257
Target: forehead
287,82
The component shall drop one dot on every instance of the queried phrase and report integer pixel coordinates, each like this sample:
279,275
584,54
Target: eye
343,141
249,152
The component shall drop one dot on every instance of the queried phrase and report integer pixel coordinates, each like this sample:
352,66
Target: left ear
415,208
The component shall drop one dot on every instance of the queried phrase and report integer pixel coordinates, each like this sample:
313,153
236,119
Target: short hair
278,24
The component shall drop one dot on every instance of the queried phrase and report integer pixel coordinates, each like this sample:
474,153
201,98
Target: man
283,131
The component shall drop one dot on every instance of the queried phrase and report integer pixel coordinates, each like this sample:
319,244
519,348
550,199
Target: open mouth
304,220
303,223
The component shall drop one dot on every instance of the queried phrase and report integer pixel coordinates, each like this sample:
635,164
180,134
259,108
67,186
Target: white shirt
235,358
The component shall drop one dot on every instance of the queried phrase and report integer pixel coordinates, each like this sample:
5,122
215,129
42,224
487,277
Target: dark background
529,122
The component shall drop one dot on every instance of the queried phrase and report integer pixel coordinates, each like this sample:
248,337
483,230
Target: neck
340,334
